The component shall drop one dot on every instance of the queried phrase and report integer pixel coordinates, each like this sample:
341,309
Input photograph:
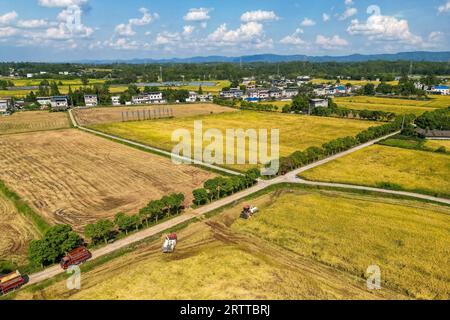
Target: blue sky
64,30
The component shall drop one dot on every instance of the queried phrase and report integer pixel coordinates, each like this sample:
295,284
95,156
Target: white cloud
32,24
331,43
123,44
8,17
294,39
259,15
61,3
126,29
245,33
188,30
7,32
308,22
444,7
166,38
325,17
436,36
349,12
348,2
197,14
384,28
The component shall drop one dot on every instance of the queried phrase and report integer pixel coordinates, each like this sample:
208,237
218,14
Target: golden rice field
302,245
382,166
400,106
36,82
352,82
16,230
296,132
435,144
33,121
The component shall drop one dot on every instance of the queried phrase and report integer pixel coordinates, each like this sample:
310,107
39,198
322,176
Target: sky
69,30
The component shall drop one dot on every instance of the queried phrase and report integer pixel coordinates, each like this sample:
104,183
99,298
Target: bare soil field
28,121
16,232
114,114
76,178
303,244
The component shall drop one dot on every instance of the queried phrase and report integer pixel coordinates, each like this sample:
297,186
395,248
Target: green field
389,167
400,106
303,244
296,132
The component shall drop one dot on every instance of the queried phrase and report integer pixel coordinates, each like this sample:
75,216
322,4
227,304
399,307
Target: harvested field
33,121
296,132
16,232
114,114
303,244
389,167
76,178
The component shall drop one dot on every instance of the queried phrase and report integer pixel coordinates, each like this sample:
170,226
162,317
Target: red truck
75,257
11,281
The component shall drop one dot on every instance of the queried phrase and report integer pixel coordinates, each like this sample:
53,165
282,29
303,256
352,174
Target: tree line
60,239
312,154
219,187
438,119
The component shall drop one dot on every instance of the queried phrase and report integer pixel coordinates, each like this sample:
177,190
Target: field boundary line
156,150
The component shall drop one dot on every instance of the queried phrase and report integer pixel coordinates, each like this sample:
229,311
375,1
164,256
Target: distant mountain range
273,58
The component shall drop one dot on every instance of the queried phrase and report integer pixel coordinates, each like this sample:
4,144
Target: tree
200,90
369,89
211,185
38,253
155,209
84,80
178,200
104,229
200,196
57,241
124,222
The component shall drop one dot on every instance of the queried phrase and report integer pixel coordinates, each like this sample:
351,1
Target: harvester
169,243
248,211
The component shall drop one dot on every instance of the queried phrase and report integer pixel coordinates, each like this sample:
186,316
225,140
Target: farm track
262,184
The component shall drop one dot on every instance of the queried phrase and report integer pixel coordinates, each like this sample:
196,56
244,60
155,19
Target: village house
192,97
290,93
315,103
44,101
59,103
442,90
205,97
148,98
233,93
90,100
6,106
115,100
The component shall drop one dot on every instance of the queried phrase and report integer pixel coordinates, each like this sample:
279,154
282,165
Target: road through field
291,177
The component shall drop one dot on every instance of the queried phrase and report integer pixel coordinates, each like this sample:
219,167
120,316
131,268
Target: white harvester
248,211
169,243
